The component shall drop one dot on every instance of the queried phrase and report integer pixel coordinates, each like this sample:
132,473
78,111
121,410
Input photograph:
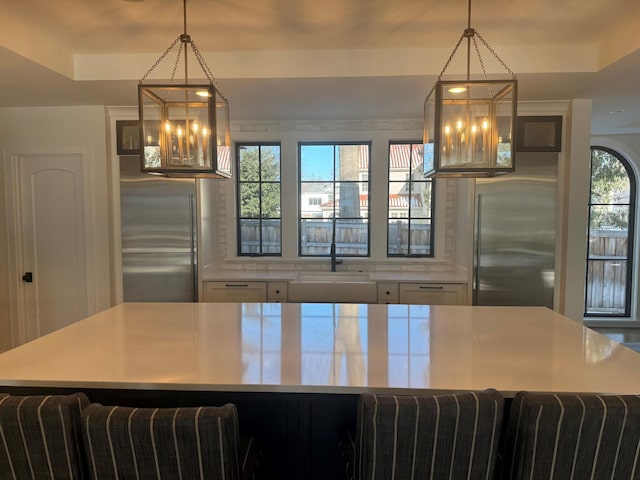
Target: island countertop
324,348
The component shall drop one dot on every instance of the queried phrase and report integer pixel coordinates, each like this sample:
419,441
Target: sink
343,277
332,287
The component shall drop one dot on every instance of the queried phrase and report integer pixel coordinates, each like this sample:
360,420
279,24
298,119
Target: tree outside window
610,236
259,201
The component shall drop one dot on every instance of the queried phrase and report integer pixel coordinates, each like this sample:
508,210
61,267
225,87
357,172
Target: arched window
611,234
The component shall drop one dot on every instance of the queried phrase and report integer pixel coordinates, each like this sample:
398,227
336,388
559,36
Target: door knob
27,277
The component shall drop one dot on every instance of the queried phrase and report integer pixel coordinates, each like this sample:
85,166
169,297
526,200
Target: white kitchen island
295,370
324,348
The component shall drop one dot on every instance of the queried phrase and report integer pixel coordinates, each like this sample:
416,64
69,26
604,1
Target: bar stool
40,436
572,436
194,442
427,436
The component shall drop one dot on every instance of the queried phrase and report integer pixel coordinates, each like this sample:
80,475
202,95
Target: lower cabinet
388,292
235,292
432,293
239,291
277,292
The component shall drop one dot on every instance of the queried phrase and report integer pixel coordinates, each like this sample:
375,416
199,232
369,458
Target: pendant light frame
470,125
184,127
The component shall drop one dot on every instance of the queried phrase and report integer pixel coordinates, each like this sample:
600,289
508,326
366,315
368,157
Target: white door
52,219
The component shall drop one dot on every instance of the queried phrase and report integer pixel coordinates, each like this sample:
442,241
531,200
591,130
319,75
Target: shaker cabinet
388,292
277,291
235,291
432,293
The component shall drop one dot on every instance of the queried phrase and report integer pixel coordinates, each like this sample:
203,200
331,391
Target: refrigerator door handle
476,253
193,243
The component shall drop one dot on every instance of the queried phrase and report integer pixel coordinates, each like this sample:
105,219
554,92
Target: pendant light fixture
469,127
184,127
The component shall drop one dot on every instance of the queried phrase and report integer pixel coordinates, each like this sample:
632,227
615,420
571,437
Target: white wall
574,180
59,126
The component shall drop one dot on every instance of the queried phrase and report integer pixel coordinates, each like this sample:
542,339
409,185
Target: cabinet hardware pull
426,287
237,285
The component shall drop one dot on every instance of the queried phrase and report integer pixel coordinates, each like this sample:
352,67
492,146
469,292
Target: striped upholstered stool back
146,443
566,436
40,437
427,437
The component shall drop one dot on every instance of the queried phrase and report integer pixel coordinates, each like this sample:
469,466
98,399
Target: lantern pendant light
184,127
469,125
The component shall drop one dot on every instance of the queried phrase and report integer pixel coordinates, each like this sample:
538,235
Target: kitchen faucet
334,260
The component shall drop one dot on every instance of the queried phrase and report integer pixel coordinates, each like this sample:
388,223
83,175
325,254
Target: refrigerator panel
515,235
158,236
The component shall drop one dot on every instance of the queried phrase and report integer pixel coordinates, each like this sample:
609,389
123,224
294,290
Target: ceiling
329,59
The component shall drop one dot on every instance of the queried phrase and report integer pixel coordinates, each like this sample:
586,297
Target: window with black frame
333,197
410,205
259,199
610,236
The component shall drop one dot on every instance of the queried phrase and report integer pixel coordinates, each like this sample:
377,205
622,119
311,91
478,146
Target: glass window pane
249,163
249,236
606,289
350,161
410,199
609,217
399,156
316,200
271,236
417,158
352,237
398,233
270,163
315,236
249,200
420,240
421,199
350,203
270,200
609,179
316,162
258,190
608,243
334,183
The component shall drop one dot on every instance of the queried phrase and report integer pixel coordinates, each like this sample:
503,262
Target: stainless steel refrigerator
515,234
158,220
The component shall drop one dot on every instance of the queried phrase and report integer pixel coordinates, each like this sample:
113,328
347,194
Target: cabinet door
387,292
277,291
236,292
432,293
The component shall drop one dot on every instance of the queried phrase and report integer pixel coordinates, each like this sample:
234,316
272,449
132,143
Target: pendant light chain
159,60
205,68
453,54
184,39
496,56
471,33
